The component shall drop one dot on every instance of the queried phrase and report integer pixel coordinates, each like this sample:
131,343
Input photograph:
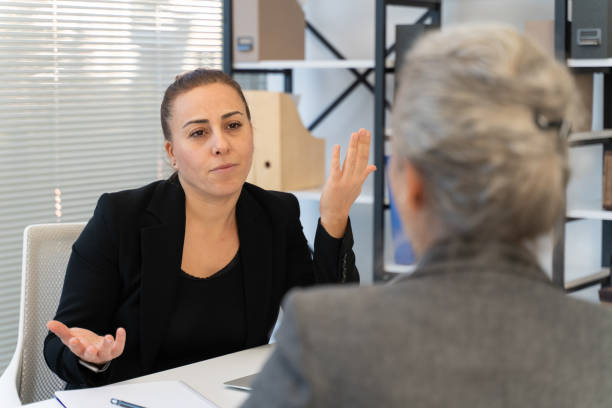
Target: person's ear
414,189
170,152
406,184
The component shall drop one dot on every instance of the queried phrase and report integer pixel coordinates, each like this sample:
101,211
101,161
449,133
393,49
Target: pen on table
125,404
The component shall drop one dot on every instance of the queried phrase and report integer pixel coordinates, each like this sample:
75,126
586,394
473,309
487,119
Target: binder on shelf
607,181
590,35
605,295
286,157
405,37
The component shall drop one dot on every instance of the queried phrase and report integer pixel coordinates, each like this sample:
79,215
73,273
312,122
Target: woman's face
212,140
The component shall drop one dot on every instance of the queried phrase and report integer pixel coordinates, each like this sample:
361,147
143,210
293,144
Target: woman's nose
220,144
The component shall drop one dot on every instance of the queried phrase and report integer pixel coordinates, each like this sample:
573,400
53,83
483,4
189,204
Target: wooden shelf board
585,138
398,268
315,195
589,63
311,64
296,64
590,210
584,281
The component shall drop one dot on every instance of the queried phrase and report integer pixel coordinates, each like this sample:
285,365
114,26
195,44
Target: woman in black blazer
195,266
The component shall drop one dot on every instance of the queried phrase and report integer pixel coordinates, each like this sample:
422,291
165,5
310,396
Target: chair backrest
46,249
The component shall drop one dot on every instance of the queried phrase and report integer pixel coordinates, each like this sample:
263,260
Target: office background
71,132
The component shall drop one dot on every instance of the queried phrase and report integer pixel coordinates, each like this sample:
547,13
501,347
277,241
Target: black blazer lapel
162,237
256,245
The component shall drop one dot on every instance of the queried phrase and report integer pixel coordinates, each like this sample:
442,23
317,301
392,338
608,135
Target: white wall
349,25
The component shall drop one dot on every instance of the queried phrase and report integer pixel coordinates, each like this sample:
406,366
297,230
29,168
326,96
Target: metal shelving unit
384,272
305,64
588,209
286,68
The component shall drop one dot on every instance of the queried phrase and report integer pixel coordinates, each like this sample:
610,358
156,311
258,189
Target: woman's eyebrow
195,121
227,115
224,116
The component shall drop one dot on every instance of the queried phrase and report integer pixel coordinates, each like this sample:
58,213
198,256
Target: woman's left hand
343,186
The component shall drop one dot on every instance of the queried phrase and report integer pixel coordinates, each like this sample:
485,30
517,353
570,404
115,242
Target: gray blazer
475,326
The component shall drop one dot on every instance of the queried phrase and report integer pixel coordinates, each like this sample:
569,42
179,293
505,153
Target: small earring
173,164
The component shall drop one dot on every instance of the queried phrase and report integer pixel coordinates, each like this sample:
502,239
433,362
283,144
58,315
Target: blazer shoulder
127,205
274,202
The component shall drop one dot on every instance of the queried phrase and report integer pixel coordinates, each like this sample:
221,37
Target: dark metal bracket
360,77
433,12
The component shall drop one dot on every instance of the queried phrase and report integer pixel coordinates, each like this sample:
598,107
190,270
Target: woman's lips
224,167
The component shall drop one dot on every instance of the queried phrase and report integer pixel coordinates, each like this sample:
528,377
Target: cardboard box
267,30
286,157
543,33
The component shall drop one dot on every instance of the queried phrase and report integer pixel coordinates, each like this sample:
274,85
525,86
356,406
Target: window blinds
80,88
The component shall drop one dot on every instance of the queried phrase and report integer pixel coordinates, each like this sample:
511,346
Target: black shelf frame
562,47
360,78
433,12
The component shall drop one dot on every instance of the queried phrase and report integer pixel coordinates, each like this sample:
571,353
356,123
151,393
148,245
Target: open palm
344,183
87,345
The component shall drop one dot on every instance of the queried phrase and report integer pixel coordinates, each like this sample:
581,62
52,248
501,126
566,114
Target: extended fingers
369,170
119,344
76,346
111,348
104,352
60,330
334,168
363,150
351,155
91,354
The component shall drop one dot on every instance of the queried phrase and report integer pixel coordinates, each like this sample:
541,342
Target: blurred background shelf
400,269
588,210
305,64
598,278
588,138
589,63
315,195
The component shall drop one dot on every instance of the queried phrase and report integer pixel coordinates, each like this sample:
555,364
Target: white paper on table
156,394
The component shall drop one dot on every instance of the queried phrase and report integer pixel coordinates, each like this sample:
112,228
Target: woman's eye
197,133
235,125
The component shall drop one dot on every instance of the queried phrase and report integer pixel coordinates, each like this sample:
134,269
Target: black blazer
123,271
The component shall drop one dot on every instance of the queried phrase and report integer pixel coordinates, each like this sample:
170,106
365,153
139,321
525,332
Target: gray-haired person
479,169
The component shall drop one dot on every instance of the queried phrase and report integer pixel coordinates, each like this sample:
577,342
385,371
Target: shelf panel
311,64
297,64
587,138
590,210
589,63
588,280
398,268
414,3
315,195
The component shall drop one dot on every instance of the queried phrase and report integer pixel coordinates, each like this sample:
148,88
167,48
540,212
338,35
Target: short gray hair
466,117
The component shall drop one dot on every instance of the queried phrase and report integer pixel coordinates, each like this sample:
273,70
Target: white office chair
46,249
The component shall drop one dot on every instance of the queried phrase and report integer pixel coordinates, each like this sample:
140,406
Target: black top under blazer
123,272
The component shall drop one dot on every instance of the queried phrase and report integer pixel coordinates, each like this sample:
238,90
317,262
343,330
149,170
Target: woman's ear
170,152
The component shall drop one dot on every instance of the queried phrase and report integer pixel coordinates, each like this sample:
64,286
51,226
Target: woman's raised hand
87,345
344,184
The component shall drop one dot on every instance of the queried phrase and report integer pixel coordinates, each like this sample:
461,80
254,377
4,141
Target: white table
206,377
